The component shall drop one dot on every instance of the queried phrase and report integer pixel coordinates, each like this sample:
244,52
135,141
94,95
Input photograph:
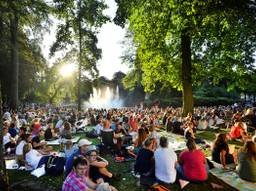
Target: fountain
104,98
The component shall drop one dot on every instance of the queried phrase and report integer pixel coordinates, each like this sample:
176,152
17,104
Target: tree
82,18
171,35
15,15
3,174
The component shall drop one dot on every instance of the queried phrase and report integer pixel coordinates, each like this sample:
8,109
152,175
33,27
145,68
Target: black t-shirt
95,174
144,161
35,139
217,150
48,134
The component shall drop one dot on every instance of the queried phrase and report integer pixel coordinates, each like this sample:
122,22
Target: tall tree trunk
79,67
14,62
188,101
4,183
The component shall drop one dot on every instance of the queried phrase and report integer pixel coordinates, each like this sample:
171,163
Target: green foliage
80,22
19,21
54,88
130,80
213,101
223,41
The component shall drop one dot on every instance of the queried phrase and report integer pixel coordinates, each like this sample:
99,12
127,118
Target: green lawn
127,182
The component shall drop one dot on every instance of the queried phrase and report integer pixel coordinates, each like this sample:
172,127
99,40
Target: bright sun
67,70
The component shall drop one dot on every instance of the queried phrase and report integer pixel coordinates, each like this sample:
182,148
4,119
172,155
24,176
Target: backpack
55,165
91,134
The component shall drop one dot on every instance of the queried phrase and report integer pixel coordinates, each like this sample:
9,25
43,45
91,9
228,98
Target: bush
198,101
212,101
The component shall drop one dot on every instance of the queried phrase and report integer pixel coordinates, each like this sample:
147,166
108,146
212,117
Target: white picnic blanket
58,141
231,177
176,142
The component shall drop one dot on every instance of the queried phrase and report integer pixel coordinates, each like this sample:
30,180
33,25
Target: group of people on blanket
161,163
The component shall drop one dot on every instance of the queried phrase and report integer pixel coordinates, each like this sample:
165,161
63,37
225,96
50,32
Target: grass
127,182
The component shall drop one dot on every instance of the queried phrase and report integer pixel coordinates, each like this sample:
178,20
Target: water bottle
8,150
61,145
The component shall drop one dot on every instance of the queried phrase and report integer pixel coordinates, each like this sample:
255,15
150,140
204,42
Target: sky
109,40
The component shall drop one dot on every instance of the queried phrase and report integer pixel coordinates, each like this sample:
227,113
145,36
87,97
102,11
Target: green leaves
81,20
223,40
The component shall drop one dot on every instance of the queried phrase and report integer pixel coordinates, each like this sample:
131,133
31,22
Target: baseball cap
90,149
83,142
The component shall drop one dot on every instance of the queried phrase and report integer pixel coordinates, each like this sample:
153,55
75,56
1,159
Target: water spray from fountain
105,97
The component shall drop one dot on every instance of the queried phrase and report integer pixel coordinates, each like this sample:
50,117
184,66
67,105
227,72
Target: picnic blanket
57,141
176,142
231,177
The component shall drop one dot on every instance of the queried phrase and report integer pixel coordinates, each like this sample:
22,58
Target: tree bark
79,69
15,62
80,60
4,183
186,77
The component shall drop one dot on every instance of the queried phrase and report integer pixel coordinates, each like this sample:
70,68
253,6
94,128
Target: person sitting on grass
238,132
50,132
39,144
26,138
220,151
189,133
165,162
8,142
66,132
78,180
121,136
33,158
192,163
82,149
138,143
98,166
144,164
247,162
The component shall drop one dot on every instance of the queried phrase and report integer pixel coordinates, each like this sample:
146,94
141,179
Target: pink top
74,183
194,165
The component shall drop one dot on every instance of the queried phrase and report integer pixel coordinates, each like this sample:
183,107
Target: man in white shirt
165,162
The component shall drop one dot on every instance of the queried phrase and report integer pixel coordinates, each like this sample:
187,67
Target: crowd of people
135,133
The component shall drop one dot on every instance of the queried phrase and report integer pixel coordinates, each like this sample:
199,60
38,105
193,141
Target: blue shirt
70,160
13,132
